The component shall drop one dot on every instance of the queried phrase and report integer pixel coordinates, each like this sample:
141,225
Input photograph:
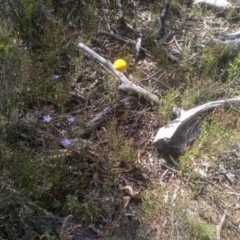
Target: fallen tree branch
161,20
220,4
177,134
137,48
219,226
121,15
128,41
230,36
126,84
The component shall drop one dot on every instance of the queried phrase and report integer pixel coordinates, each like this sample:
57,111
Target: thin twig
173,160
180,49
163,175
128,41
166,166
219,226
137,48
121,15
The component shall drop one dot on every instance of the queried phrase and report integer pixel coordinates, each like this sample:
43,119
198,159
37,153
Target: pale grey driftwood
232,35
137,48
177,134
126,84
222,4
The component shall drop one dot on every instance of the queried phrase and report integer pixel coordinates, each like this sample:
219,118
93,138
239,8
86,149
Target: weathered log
233,35
221,4
177,134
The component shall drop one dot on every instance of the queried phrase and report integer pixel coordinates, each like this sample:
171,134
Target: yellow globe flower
120,65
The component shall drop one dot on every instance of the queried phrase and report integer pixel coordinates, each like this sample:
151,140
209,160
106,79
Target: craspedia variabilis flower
120,65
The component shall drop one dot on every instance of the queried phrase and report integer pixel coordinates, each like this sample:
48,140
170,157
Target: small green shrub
218,132
210,59
233,67
152,203
201,230
89,207
119,149
165,110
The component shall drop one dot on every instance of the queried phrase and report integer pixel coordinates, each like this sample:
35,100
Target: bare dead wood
115,36
138,47
128,41
220,4
121,15
126,85
161,20
177,134
230,36
219,226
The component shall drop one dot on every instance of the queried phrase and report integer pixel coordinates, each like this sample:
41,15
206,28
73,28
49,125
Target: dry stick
161,19
166,166
128,41
219,226
109,34
121,15
159,82
126,84
137,48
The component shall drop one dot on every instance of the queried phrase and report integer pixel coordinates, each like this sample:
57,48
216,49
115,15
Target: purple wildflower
47,118
66,142
56,76
71,119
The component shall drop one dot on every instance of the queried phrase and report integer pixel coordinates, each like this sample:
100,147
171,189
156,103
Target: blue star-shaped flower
66,142
56,76
71,119
47,118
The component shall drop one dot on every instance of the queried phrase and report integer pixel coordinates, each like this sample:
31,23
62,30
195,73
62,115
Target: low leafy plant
233,67
152,203
218,132
165,110
201,230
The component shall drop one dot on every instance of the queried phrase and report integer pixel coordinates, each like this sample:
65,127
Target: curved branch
178,133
